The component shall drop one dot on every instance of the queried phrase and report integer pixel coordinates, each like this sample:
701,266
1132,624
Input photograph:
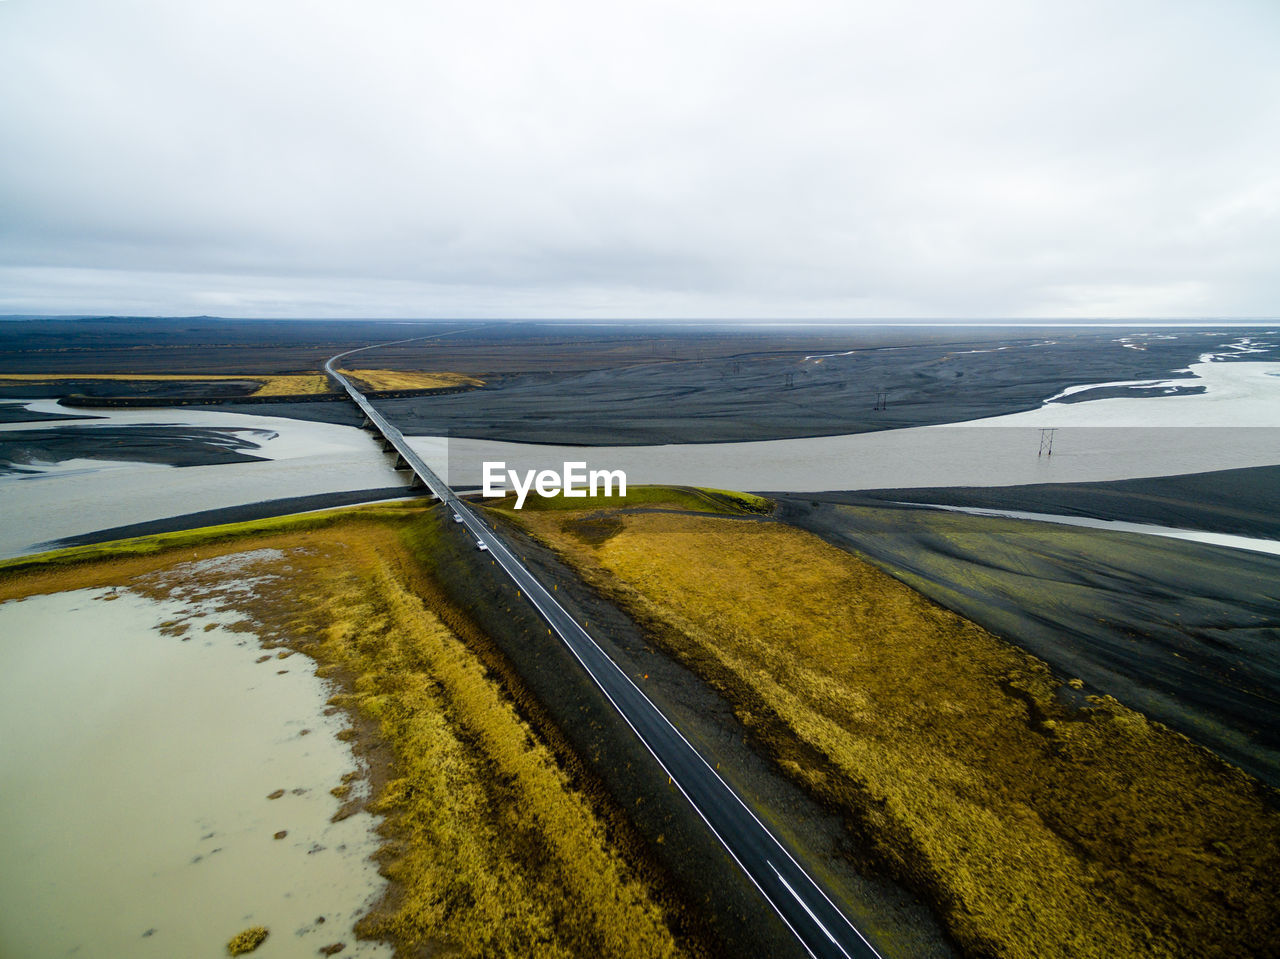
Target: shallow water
81,495
1236,394
275,437
1253,544
929,456
134,774
1234,424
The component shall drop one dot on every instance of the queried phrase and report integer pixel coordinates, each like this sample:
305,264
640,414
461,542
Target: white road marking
504,555
805,906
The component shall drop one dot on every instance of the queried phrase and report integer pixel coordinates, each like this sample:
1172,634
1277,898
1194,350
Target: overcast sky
701,159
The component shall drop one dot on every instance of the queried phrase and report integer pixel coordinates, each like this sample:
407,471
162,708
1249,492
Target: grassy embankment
276,384
1037,828
691,498
409,380
492,851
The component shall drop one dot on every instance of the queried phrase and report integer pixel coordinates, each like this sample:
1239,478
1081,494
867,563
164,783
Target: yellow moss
500,856
410,379
247,941
749,502
293,385
692,498
1039,830
491,849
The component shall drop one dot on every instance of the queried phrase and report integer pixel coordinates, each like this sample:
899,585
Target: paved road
820,926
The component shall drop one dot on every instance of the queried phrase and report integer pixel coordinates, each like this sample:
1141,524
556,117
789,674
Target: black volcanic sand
170,445
1185,632
17,413
756,396
187,344
248,512
164,388
487,348
1240,501
1130,392
638,382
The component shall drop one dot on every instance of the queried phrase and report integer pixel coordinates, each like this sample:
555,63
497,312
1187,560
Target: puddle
134,774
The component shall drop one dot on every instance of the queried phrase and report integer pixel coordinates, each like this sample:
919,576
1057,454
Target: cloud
397,158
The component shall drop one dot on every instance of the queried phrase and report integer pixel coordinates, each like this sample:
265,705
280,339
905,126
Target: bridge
811,914
392,438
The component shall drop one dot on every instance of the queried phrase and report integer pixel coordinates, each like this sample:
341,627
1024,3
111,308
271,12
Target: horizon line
745,320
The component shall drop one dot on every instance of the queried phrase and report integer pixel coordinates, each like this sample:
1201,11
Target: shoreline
249,512
113,805
274,610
